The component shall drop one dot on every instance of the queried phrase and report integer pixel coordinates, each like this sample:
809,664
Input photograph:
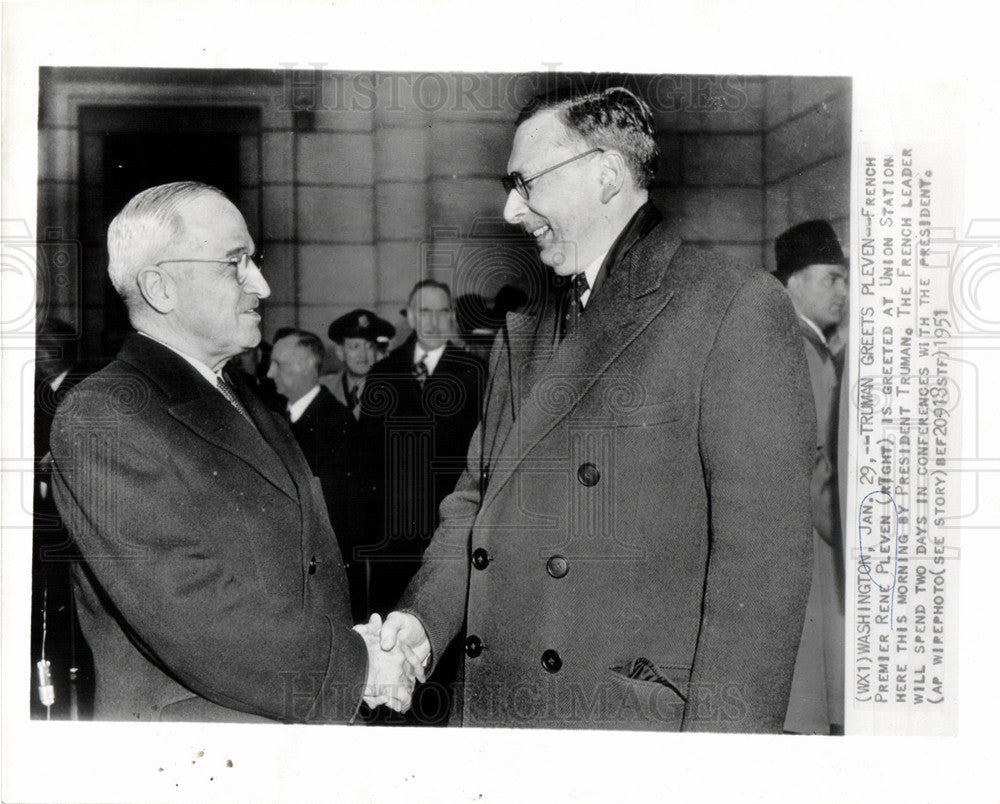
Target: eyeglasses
240,263
515,181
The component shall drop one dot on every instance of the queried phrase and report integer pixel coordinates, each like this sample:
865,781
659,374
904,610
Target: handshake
398,655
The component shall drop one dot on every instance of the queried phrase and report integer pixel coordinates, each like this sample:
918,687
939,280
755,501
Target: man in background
326,432
812,267
210,585
359,341
55,639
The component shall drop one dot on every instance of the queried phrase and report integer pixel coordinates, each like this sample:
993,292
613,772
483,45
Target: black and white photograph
479,409
627,543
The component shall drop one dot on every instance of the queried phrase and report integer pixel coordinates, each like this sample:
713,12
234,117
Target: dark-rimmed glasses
515,181
240,263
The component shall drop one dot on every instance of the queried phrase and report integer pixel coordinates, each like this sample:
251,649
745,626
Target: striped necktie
229,392
420,371
574,304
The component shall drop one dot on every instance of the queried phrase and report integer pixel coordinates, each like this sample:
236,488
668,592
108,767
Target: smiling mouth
541,230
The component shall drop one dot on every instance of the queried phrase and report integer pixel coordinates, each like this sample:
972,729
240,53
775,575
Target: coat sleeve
184,588
756,437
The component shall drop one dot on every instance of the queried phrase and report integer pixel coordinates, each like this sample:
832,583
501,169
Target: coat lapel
531,344
278,435
207,414
547,382
810,335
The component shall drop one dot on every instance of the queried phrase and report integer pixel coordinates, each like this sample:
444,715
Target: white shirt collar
431,358
58,380
592,270
203,370
298,407
815,329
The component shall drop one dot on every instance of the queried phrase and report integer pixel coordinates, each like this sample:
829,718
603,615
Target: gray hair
308,341
145,228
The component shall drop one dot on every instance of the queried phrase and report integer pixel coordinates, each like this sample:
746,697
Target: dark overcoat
211,585
330,438
630,541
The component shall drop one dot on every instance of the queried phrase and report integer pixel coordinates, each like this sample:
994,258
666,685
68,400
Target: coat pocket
674,677
664,412
651,696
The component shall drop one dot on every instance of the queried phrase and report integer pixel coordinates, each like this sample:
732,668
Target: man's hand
405,631
391,676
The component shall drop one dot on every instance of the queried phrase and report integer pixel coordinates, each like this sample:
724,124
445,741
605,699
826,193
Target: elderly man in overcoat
210,585
630,543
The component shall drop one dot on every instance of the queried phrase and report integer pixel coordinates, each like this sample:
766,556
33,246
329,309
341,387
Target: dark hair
428,283
305,339
610,118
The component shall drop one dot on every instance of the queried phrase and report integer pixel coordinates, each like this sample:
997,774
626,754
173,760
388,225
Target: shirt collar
430,359
56,381
817,330
211,376
642,222
591,272
298,407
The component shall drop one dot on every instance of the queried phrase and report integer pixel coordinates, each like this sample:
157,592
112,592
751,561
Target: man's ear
158,289
614,174
338,352
793,287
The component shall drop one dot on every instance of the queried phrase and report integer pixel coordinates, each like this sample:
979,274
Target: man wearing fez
210,584
812,267
629,545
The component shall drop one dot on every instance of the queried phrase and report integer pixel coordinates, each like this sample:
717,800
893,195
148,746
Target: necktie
229,392
574,305
420,372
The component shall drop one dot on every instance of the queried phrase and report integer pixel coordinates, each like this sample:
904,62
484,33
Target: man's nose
514,208
256,283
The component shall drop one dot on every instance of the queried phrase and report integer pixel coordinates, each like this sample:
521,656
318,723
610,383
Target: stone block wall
348,177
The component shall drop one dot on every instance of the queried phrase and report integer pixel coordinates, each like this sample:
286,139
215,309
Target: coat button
473,646
551,661
312,565
480,558
484,479
588,474
557,566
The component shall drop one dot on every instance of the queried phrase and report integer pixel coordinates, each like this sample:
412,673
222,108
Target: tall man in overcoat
630,541
210,584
